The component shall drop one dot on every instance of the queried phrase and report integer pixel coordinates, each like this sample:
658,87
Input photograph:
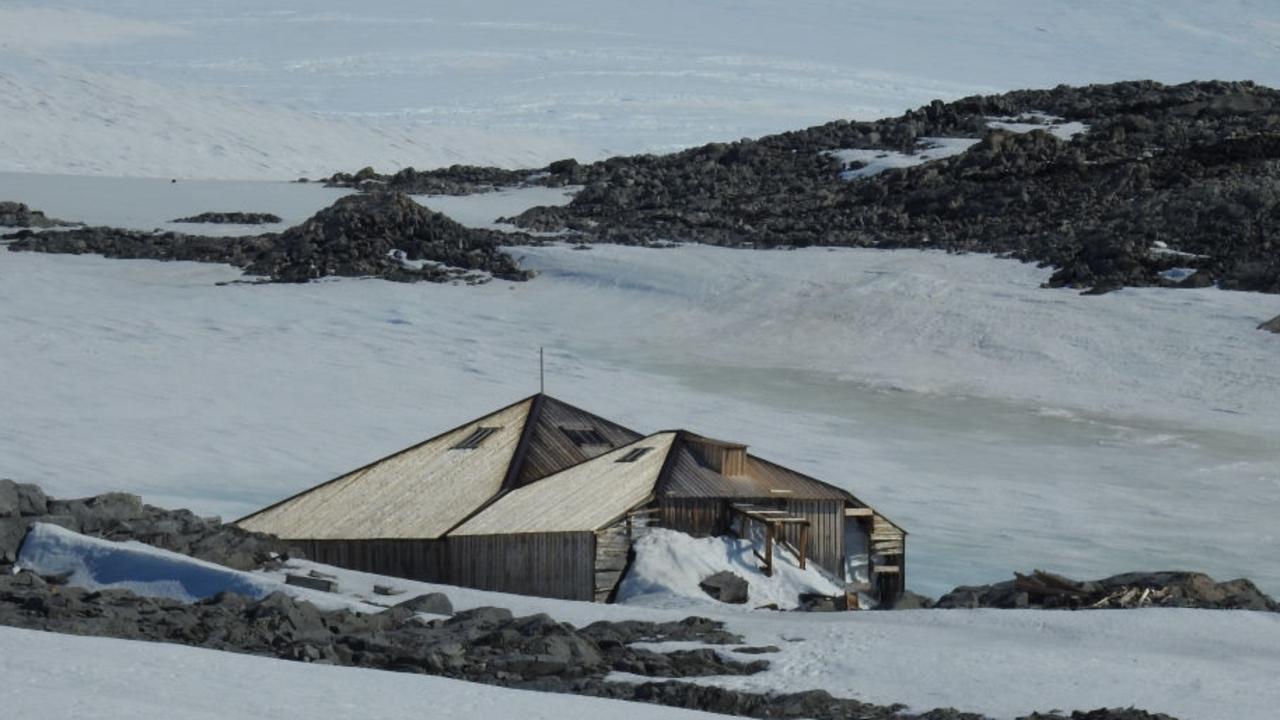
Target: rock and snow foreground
106,679
1191,664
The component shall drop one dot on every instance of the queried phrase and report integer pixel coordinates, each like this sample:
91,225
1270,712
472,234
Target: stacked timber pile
1044,590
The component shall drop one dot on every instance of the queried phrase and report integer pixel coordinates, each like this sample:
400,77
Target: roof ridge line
368,465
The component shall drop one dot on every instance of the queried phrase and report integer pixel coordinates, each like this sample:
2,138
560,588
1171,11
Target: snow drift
669,565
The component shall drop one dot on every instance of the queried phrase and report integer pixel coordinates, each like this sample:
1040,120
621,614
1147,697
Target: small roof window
634,454
582,436
477,436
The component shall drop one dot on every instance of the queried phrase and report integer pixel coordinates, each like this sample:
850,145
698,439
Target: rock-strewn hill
1166,177
385,235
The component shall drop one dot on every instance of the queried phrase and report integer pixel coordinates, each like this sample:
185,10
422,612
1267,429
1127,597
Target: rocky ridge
231,218
14,214
384,235
1167,180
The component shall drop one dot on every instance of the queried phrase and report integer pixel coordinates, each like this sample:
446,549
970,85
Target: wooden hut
543,498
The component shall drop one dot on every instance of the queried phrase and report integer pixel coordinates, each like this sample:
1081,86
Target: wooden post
768,549
804,543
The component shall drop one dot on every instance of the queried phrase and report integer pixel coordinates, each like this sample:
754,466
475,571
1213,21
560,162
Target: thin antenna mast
542,385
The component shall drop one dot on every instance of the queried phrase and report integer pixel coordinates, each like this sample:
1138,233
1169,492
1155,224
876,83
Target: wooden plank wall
613,551
697,517
826,532
424,560
555,565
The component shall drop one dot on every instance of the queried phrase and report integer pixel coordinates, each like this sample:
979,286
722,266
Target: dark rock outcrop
725,586
120,516
14,214
385,235
1194,166
453,180
1042,590
1272,325
431,603
232,218
360,235
1193,169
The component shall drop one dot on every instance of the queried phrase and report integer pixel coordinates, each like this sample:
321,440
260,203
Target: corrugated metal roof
689,477
585,497
550,449
417,493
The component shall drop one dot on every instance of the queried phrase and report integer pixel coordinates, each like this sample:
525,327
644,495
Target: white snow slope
274,89
1004,425
63,676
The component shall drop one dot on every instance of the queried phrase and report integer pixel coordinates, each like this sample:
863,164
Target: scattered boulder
431,603
9,504
725,586
817,602
910,601
1272,325
232,218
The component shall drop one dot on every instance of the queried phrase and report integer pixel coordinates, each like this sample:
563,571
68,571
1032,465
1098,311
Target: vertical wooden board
557,565
613,546
826,531
411,559
697,517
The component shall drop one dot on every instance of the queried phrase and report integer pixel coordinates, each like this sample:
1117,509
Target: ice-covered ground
274,89
1004,425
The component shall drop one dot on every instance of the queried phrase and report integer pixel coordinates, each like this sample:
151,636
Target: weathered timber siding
420,492
423,560
550,450
554,565
613,549
826,532
698,518
585,497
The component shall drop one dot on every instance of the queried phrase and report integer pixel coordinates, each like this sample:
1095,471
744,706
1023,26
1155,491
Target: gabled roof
551,439
539,465
421,492
691,477
430,488
585,497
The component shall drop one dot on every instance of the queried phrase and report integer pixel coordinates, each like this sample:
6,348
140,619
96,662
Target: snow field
275,89
1004,426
